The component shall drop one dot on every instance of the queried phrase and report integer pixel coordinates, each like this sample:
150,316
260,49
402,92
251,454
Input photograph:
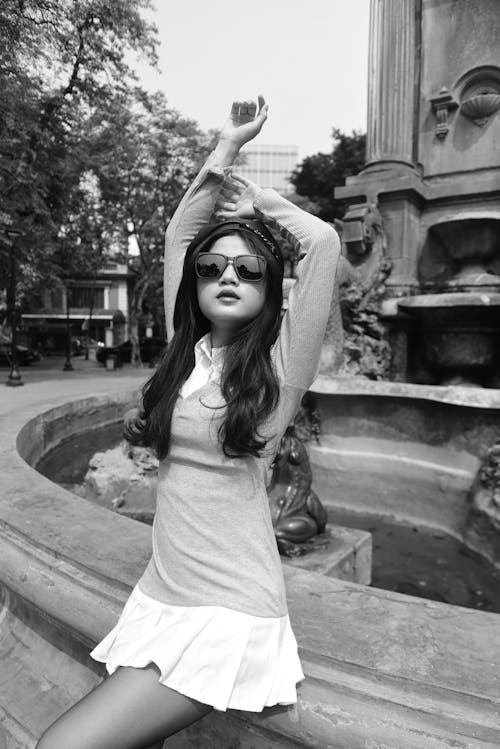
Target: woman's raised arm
195,210
303,327
298,348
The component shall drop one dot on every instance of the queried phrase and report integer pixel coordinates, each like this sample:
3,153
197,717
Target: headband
213,231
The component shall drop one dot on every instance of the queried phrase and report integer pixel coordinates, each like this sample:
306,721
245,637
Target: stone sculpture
124,479
486,497
482,525
297,513
362,276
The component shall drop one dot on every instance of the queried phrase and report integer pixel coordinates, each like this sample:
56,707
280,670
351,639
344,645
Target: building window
86,296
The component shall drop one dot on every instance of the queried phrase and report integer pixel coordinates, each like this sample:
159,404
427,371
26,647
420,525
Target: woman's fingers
243,188
229,195
231,188
244,110
263,109
244,185
224,215
222,205
238,178
232,192
250,109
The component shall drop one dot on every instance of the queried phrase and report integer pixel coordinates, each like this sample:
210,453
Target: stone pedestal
344,553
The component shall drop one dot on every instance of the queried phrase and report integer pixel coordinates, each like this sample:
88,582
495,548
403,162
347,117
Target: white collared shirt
207,368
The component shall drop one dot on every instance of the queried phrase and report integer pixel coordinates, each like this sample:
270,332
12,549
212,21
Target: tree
145,155
318,175
59,62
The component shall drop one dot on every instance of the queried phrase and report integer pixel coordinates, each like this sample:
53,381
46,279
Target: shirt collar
206,355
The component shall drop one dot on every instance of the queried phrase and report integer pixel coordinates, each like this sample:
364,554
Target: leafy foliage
90,164
318,175
59,62
144,156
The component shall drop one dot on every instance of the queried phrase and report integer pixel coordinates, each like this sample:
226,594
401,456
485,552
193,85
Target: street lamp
15,378
68,367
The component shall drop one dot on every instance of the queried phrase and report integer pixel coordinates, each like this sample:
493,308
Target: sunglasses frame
231,260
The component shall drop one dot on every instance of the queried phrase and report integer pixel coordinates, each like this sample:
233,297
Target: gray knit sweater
213,540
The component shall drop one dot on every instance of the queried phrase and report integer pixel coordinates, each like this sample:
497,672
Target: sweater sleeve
298,348
193,212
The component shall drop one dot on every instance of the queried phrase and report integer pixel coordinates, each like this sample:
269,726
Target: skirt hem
192,694
217,656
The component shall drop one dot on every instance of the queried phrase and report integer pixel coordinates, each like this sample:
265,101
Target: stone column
392,74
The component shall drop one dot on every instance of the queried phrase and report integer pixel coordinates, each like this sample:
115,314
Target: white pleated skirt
218,656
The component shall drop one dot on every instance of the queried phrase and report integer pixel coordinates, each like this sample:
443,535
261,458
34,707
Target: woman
207,624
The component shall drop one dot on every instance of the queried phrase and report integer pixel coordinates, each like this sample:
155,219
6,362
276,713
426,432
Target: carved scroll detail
443,105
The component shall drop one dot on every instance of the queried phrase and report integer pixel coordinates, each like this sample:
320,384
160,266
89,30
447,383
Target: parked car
25,354
151,350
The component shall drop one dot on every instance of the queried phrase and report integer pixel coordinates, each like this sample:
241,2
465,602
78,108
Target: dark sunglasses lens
250,267
209,265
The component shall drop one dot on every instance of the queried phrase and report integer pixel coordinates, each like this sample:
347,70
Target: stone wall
457,38
382,670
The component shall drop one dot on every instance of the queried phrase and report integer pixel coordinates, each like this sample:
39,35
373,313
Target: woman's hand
236,198
245,121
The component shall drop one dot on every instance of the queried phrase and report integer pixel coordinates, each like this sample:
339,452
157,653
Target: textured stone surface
415,450
456,38
122,478
383,671
392,72
425,174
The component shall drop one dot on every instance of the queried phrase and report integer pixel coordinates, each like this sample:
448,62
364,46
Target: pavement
46,381
399,671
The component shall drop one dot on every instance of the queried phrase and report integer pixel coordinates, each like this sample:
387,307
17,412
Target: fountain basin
459,332
471,243
401,461
381,668
477,237
117,482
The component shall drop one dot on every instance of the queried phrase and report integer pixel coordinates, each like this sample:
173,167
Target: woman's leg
129,710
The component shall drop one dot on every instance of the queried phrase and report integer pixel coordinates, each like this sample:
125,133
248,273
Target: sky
307,57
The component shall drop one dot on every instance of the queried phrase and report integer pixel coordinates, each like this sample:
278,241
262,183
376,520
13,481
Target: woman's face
228,302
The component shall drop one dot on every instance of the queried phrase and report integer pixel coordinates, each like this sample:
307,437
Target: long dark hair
249,383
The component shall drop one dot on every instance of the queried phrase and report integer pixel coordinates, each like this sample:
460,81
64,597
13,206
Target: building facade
86,307
270,165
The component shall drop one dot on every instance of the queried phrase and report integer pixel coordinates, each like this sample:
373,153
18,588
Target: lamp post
14,379
68,367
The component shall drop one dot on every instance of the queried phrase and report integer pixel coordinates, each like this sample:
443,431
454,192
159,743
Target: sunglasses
247,267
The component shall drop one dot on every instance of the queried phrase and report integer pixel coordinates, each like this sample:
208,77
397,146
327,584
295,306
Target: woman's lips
227,295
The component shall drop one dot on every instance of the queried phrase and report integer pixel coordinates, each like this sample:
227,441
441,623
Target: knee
44,742
51,739
48,741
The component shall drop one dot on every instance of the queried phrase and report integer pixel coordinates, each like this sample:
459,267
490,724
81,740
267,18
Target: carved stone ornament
443,104
361,225
366,351
480,93
482,527
480,106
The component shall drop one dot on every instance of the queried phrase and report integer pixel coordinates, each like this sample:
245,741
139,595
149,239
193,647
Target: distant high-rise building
270,166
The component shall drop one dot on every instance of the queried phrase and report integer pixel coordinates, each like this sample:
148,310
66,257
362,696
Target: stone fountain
458,319
382,669
433,173
472,247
